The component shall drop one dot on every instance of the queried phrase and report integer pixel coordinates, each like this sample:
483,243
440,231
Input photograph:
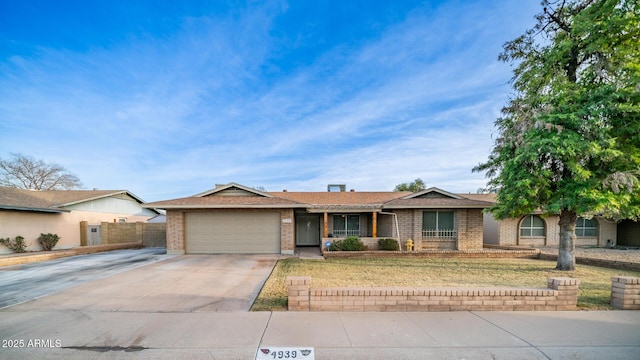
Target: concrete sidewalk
239,335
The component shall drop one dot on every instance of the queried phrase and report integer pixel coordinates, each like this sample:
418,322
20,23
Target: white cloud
173,115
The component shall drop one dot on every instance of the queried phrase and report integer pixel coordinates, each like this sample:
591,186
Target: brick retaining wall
613,264
561,294
467,254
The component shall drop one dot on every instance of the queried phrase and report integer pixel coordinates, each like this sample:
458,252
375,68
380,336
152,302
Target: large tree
569,138
25,172
414,186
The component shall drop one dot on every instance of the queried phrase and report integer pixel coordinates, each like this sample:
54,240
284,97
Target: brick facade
175,232
287,232
509,233
469,227
561,294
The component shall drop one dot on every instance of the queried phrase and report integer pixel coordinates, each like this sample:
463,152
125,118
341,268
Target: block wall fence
147,234
561,294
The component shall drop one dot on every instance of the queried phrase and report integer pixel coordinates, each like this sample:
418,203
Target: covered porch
369,224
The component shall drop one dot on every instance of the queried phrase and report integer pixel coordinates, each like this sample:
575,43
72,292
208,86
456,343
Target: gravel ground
618,254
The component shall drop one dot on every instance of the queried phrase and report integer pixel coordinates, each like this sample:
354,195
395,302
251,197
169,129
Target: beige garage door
233,232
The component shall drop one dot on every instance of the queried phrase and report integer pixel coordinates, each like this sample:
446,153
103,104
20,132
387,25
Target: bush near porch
594,292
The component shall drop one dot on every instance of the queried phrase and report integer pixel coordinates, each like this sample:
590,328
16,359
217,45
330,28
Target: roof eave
399,207
99,197
32,209
261,206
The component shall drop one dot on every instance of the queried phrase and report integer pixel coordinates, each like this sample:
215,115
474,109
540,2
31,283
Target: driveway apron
188,283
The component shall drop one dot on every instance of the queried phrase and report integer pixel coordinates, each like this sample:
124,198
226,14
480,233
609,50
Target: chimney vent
336,187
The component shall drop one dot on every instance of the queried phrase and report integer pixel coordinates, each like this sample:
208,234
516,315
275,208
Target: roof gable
433,193
233,189
56,200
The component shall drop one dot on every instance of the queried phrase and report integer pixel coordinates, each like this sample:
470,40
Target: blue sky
168,98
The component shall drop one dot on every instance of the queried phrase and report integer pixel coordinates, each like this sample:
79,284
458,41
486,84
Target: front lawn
595,282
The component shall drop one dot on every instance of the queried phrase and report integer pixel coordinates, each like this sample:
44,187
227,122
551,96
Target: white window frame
581,228
346,231
530,227
438,232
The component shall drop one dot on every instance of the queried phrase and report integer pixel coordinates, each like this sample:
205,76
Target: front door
307,230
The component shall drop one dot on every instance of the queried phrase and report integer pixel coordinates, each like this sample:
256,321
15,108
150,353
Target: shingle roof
51,200
319,201
213,202
341,198
491,197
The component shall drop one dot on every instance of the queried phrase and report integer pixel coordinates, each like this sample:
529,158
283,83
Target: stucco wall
31,224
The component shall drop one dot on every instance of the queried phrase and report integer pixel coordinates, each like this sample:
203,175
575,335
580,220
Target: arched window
586,227
532,225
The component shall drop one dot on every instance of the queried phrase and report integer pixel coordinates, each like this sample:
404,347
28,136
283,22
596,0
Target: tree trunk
566,247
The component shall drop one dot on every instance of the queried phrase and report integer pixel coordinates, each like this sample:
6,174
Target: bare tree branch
25,172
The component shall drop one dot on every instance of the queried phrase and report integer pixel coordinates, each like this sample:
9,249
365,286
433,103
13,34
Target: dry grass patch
595,282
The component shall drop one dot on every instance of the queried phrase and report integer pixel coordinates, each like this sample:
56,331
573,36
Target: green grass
594,294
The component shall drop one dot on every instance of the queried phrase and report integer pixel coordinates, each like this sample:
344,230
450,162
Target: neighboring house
538,229
237,219
29,213
629,233
160,218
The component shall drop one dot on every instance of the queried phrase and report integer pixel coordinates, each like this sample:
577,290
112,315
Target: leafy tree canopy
569,138
414,186
25,172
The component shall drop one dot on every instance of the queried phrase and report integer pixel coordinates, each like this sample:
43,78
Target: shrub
388,244
48,241
16,245
352,243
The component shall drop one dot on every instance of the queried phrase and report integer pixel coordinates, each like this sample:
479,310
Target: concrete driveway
20,283
189,283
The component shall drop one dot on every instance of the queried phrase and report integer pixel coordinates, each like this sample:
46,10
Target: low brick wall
561,294
466,254
613,264
625,292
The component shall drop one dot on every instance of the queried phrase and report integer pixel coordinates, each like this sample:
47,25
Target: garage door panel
233,232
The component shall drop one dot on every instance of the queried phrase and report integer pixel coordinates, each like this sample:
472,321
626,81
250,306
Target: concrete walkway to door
188,283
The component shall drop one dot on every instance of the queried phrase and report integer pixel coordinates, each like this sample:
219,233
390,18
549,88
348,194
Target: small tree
25,172
415,186
48,241
569,140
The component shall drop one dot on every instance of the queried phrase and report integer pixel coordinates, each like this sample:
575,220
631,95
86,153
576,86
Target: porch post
326,224
375,224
